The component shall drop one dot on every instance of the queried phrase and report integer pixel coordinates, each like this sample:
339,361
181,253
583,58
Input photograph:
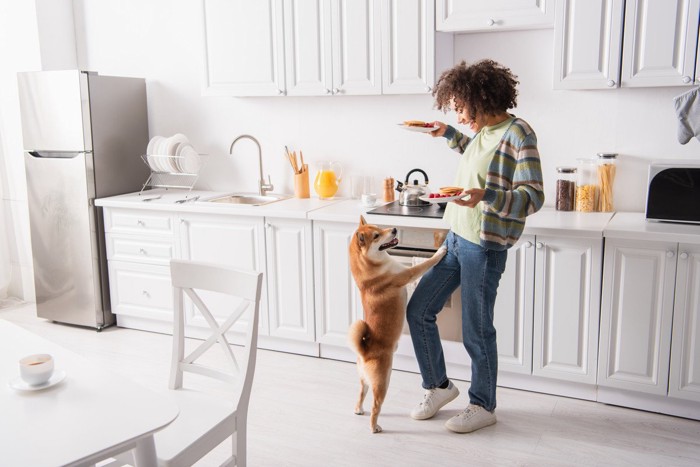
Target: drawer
139,249
136,221
141,290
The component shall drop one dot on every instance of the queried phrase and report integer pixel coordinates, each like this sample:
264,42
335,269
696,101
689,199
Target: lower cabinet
650,325
234,241
337,299
289,248
140,245
546,315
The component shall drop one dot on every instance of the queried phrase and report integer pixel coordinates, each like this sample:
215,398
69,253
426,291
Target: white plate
444,199
419,129
20,385
152,144
190,161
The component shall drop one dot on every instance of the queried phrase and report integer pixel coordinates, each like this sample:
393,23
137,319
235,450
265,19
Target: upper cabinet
493,15
244,47
660,44
321,47
331,47
659,37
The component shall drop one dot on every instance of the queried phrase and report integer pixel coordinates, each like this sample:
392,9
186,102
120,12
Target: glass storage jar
587,185
606,178
566,188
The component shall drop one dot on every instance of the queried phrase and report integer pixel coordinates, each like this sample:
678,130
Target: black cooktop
395,209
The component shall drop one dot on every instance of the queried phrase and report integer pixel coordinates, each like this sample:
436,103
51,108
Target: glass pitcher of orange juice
327,179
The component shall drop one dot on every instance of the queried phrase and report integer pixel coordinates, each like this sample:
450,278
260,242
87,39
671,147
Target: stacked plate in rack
172,154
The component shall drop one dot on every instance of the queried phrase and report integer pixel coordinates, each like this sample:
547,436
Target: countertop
634,226
546,221
292,208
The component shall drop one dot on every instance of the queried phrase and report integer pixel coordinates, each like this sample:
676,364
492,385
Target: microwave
673,192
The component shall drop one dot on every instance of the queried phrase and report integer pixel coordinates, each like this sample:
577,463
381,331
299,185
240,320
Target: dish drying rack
168,178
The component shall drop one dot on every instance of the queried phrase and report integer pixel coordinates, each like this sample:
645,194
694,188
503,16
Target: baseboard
649,402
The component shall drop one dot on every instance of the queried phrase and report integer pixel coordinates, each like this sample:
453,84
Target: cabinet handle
430,89
142,251
611,83
141,223
686,79
336,90
684,255
490,22
281,92
268,225
670,254
328,91
146,294
527,244
539,245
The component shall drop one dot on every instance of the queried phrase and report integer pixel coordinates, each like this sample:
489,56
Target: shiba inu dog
382,282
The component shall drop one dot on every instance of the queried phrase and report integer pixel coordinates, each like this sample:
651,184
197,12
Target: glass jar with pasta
606,178
587,185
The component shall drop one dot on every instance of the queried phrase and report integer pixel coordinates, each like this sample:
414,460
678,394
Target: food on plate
451,190
418,123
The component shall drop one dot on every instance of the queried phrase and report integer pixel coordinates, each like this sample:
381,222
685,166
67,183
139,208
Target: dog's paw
376,429
359,411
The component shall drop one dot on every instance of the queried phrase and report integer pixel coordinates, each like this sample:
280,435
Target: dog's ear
360,238
362,220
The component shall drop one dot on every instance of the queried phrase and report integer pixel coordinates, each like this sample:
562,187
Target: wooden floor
301,414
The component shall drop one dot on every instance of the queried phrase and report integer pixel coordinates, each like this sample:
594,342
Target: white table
88,416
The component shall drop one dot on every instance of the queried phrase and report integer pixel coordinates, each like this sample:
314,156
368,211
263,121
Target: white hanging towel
688,112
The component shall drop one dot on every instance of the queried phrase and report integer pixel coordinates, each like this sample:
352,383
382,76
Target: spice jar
587,185
606,178
566,188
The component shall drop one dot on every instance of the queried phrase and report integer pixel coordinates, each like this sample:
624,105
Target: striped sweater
513,188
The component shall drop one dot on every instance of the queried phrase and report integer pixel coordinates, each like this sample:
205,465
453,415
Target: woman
500,169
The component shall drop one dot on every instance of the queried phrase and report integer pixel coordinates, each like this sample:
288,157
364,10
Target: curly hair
485,87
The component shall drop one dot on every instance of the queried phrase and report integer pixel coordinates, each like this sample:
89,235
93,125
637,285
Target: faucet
262,186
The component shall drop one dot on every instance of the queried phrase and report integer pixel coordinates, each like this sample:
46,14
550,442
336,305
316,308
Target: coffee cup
369,199
36,369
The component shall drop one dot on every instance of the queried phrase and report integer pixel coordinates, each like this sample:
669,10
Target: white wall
161,40
19,50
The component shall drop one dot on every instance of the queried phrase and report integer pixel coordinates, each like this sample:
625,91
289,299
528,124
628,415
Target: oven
415,245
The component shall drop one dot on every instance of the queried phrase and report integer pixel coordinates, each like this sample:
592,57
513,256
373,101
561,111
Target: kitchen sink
248,199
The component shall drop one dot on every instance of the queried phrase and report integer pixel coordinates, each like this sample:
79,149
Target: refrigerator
83,136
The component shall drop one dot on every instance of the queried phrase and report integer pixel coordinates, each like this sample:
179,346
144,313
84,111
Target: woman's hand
440,130
475,195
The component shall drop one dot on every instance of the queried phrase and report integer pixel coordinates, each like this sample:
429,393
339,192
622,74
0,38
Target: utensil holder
301,184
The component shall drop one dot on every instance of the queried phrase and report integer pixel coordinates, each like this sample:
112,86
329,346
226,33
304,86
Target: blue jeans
478,271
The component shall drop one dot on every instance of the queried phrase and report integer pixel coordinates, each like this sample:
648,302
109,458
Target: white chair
206,420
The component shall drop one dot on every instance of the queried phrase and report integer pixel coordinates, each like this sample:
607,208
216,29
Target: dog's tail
359,337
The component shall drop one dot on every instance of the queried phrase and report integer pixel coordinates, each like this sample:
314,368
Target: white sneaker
471,419
434,400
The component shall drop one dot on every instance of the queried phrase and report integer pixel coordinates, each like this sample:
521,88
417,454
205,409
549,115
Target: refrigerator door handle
56,154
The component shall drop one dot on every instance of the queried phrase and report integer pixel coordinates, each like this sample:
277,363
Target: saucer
21,385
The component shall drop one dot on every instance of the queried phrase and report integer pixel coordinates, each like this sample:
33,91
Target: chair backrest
190,276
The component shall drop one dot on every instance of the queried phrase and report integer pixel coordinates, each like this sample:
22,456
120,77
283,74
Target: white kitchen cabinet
139,247
494,15
413,54
636,314
234,241
684,378
290,278
513,311
332,47
649,335
337,299
322,47
244,48
659,37
566,310
588,44
660,43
